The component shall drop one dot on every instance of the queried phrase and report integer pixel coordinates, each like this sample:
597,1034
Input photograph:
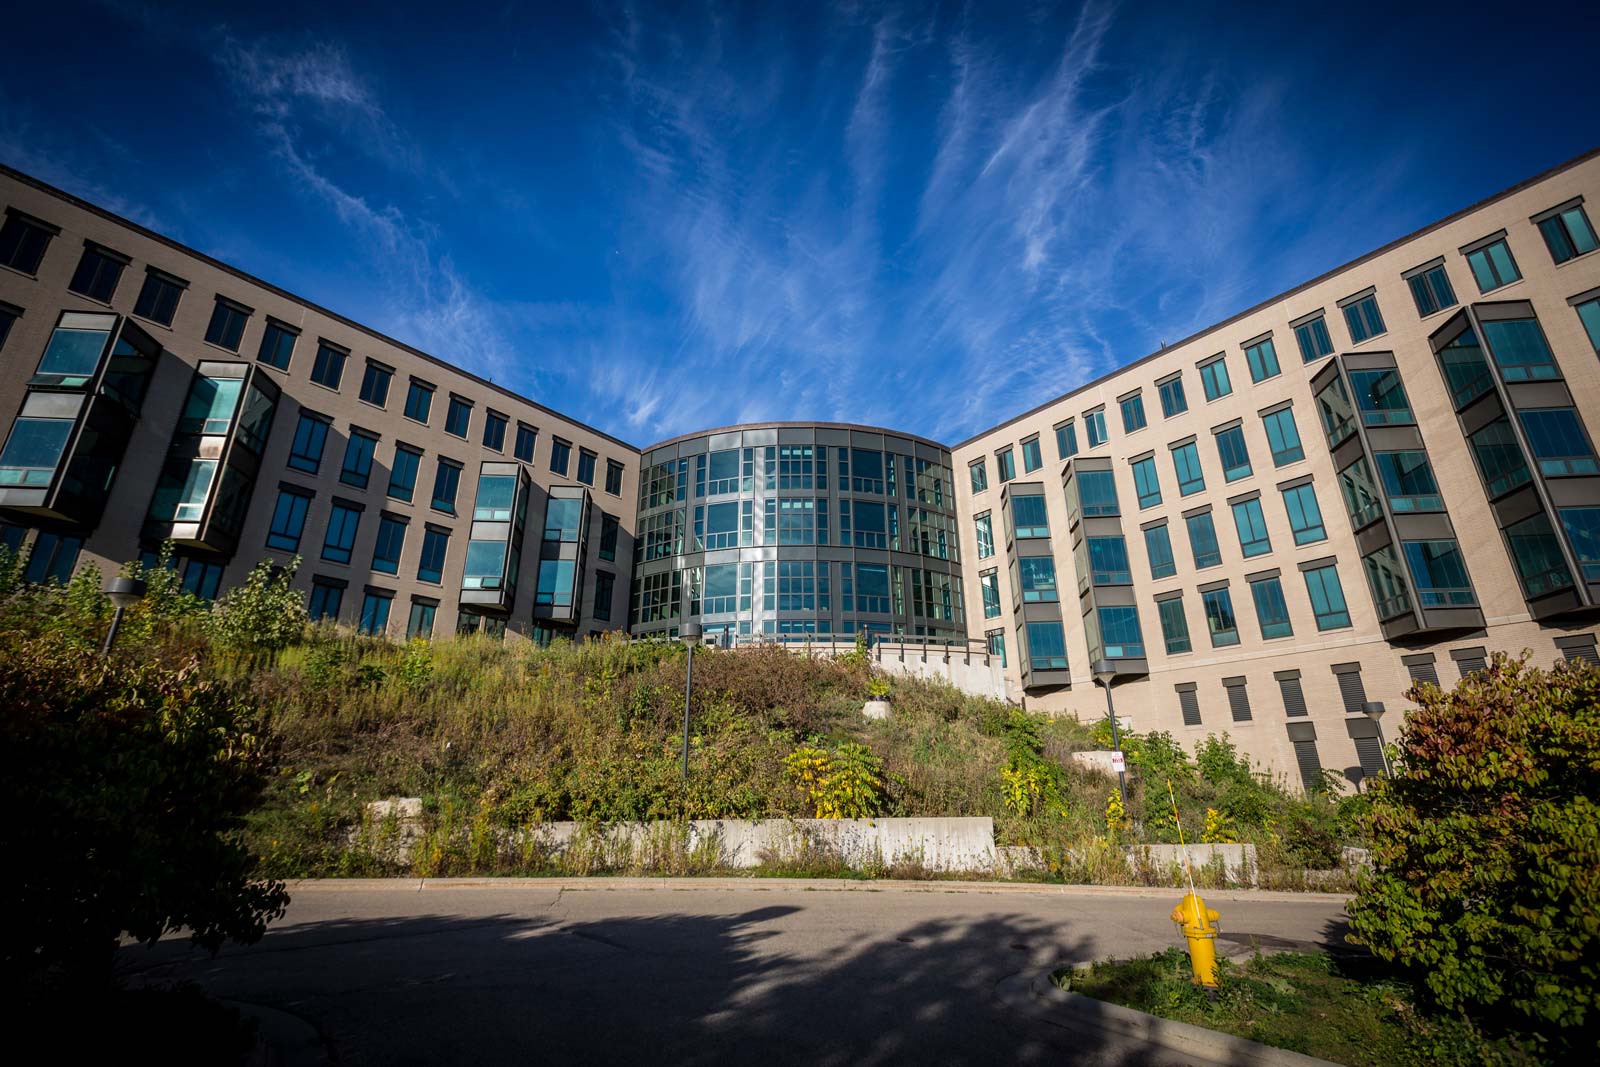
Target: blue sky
663,218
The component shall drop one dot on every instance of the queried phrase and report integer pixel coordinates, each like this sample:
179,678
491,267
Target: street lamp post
123,593
690,634
1105,672
1373,709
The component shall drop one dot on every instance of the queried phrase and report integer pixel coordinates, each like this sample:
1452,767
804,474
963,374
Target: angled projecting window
1583,534
1536,551
1380,397
1360,492
1466,371
1499,458
1108,561
1036,579
1438,573
1097,494
1520,350
1044,646
1029,517
1559,444
1408,482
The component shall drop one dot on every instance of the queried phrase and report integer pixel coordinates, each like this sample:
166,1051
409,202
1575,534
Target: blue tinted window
1046,647
458,417
1220,621
391,540
979,472
403,477
375,384
419,401
277,346
430,566
1327,598
1536,551
1173,402
1067,433
328,368
1283,437
1380,396
446,480
325,601
1568,233
1252,526
1431,290
1363,319
1146,482
1120,632
1095,421
1305,515
1036,579
1158,546
1108,561
1271,610
1097,494
1408,482
341,536
1558,441
227,325
1438,573
1186,462
1313,339
1519,348
1499,458
1492,266
1214,379
1263,361
1031,459
1583,534
1174,626
358,453
1235,456
375,613
310,436
288,521
1028,516
1132,414
1203,541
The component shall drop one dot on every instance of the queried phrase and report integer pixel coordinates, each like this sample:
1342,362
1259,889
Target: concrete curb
570,884
1078,1012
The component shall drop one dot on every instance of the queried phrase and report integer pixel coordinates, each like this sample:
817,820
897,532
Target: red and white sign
1117,763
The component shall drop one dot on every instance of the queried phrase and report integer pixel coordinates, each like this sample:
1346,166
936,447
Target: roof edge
793,423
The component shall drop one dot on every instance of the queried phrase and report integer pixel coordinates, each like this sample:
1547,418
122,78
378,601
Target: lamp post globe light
1105,672
690,634
123,593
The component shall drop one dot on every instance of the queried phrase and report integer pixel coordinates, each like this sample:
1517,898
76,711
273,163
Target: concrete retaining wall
1238,861
937,844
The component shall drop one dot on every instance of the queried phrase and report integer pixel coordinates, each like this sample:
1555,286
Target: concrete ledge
1076,1011
602,884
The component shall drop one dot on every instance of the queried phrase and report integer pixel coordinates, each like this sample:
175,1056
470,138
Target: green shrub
1487,846
124,791
262,615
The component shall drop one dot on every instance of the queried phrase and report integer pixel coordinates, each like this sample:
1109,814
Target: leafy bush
262,615
845,783
1487,845
124,793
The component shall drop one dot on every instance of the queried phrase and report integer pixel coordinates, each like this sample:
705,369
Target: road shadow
740,987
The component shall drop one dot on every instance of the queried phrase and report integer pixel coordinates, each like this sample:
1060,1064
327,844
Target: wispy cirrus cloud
311,106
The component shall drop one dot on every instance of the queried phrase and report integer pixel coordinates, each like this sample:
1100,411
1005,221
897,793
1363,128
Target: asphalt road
699,972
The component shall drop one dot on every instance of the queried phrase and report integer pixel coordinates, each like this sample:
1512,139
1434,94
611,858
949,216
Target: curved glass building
794,530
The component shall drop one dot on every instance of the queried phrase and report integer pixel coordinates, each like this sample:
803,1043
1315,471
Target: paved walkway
700,970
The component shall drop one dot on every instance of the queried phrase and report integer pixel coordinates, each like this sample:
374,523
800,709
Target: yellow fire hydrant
1198,924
